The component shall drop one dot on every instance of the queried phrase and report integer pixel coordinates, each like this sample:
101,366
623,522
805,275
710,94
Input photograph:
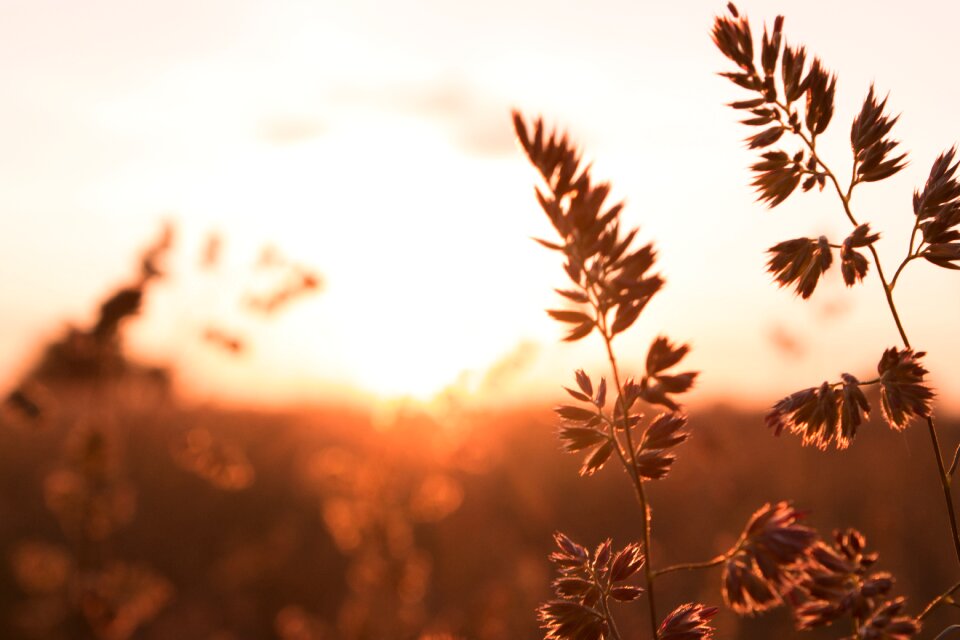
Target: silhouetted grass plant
793,103
612,284
777,560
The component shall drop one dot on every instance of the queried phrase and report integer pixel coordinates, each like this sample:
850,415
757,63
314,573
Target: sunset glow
342,136
433,320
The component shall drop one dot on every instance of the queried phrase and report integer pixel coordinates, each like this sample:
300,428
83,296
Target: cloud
290,130
478,123
786,342
509,367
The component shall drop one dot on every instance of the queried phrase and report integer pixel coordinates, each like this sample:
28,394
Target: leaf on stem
553,156
937,208
941,191
598,257
578,438
626,315
943,255
577,395
821,89
765,138
744,591
597,459
570,620
626,594
549,245
800,262
666,431
569,550
584,579
837,582
887,623
653,464
688,622
575,296
580,431
663,354
601,398
584,382
792,67
575,414
762,567
854,408
777,176
653,457
732,36
903,394
770,49
657,386
626,562
822,415
853,264
579,332
871,146
573,317
761,115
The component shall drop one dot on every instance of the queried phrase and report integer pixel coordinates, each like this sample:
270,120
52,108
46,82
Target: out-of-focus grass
337,529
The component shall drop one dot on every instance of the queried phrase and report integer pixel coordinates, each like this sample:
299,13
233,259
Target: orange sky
372,141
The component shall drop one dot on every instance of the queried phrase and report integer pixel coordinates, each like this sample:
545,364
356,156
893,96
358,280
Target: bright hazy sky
372,141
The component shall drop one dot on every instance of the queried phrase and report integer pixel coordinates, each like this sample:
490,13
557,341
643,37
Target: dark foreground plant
777,559
791,101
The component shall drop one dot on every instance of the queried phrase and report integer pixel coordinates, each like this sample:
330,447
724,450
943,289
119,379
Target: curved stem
611,623
637,484
888,293
899,270
845,200
629,459
691,566
605,607
940,599
934,440
945,483
949,631
956,461
911,253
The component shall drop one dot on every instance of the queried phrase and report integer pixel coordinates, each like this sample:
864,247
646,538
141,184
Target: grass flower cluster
778,561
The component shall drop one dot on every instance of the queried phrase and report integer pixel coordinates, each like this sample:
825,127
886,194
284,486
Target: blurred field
335,523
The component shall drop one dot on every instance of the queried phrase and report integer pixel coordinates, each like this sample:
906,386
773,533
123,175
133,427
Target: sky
372,141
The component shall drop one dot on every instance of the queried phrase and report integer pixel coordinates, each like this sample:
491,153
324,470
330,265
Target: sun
419,258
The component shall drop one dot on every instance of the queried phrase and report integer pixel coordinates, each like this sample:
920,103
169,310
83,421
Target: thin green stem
629,459
611,623
956,461
692,566
845,200
896,275
865,383
945,483
637,484
604,605
911,252
948,632
940,599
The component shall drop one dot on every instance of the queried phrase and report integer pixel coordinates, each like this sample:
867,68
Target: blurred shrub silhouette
81,589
